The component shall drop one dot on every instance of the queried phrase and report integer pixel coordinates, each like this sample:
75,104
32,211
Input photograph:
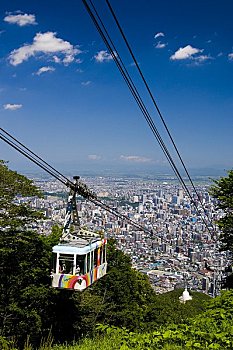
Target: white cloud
46,43
230,56
56,59
86,83
158,35
185,52
198,60
94,157
202,58
68,59
103,56
12,107
21,19
79,61
44,70
136,159
160,45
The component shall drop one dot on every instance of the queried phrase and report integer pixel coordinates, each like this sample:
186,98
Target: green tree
54,237
211,329
24,260
125,293
223,191
167,308
13,213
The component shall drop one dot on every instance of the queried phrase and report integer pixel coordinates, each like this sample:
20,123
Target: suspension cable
125,74
153,100
82,188
35,155
27,155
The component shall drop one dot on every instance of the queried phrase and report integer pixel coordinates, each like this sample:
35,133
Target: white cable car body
78,264
80,258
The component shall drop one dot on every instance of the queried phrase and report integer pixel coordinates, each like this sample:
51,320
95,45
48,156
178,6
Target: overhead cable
82,188
153,100
124,72
27,154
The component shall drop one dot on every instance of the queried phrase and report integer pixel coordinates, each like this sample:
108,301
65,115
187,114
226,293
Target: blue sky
62,95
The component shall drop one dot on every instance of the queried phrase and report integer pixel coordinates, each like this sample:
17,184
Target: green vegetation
223,191
24,262
212,329
130,315
13,214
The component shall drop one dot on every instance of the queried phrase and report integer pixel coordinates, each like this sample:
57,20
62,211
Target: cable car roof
80,246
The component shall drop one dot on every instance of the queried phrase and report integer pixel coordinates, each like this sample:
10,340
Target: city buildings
183,244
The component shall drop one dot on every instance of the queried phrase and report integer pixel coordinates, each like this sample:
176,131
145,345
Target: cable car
80,258
76,265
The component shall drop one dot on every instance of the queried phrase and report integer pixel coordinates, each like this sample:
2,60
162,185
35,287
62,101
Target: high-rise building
160,193
140,208
181,194
135,199
193,257
175,200
144,198
205,284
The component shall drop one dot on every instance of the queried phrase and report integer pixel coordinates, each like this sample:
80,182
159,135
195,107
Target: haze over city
62,95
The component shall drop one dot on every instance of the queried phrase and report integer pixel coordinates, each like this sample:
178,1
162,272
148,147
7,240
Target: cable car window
92,260
66,263
88,261
80,268
104,253
101,255
54,262
95,257
103,248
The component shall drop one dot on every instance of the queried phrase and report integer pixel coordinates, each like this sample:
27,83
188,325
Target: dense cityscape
182,249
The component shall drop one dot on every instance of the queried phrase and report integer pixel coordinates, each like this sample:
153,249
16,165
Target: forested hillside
30,310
